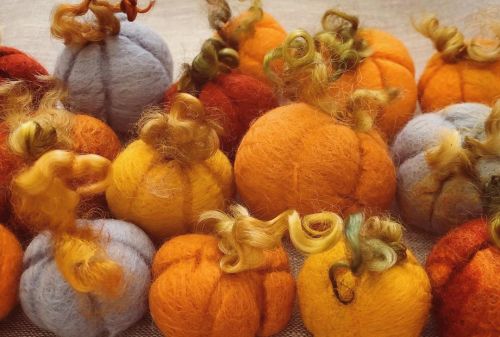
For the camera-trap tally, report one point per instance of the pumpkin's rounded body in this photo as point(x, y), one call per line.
point(233, 101)
point(296, 157)
point(11, 266)
point(52, 304)
point(464, 268)
point(116, 79)
point(165, 197)
point(424, 201)
point(443, 83)
point(389, 66)
point(16, 65)
point(266, 35)
point(394, 303)
point(192, 297)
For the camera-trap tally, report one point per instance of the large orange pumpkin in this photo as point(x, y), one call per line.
point(460, 71)
point(11, 263)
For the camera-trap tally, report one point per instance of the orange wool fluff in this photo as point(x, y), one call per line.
point(11, 263)
point(192, 297)
point(296, 157)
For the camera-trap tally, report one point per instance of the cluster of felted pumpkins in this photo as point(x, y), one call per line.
point(307, 121)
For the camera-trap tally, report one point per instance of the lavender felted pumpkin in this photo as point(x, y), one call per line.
point(445, 159)
point(112, 67)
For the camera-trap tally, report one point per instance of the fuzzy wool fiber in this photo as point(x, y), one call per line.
point(117, 79)
point(11, 266)
point(464, 268)
point(296, 157)
point(393, 303)
point(165, 197)
point(192, 297)
point(423, 203)
point(52, 304)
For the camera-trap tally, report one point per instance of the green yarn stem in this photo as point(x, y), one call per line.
point(247, 26)
point(214, 58)
point(348, 26)
point(491, 204)
point(219, 13)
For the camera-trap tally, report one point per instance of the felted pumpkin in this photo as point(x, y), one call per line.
point(368, 285)
point(31, 127)
point(236, 284)
point(113, 68)
point(460, 71)
point(88, 276)
point(464, 269)
point(16, 65)
point(440, 180)
point(300, 157)
point(231, 99)
point(165, 179)
point(11, 264)
point(253, 34)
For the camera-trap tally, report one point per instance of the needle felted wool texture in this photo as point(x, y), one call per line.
point(232, 99)
point(464, 268)
point(438, 199)
point(297, 157)
point(14, 64)
point(11, 257)
point(460, 70)
point(365, 302)
point(238, 283)
point(163, 181)
point(115, 79)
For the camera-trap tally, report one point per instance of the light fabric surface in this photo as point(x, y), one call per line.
point(183, 24)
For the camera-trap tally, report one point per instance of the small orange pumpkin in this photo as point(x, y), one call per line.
point(460, 71)
point(11, 263)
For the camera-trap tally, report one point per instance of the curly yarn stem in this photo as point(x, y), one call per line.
point(451, 43)
point(67, 26)
point(348, 25)
point(214, 58)
point(247, 26)
point(30, 140)
point(375, 245)
point(243, 239)
point(219, 13)
point(490, 147)
point(492, 208)
point(360, 106)
point(184, 134)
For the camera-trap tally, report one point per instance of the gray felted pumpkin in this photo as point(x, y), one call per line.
point(113, 68)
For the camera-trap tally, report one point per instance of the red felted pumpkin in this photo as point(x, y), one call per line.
point(16, 65)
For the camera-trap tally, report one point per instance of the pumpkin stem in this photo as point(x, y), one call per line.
point(450, 42)
point(375, 245)
point(360, 106)
point(490, 147)
point(214, 58)
point(492, 207)
point(243, 239)
point(219, 13)
point(67, 26)
point(184, 134)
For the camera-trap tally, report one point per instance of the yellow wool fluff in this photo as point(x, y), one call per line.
point(393, 303)
point(165, 196)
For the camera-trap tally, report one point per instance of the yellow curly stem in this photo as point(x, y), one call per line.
point(184, 134)
point(452, 44)
point(43, 199)
point(243, 239)
point(490, 147)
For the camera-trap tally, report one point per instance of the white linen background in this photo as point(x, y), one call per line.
point(183, 25)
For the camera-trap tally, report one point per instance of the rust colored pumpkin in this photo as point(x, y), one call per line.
point(11, 263)
point(192, 297)
point(16, 65)
point(459, 71)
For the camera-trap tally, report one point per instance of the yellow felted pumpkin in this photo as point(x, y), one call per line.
point(460, 71)
point(253, 34)
point(370, 285)
point(165, 179)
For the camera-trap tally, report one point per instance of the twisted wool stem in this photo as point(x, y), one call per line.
point(490, 147)
point(243, 239)
point(451, 43)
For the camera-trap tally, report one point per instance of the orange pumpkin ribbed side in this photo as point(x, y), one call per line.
point(9, 163)
point(11, 263)
point(192, 297)
point(296, 157)
point(267, 34)
point(443, 84)
point(390, 65)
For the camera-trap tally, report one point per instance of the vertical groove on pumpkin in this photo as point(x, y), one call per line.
point(105, 76)
point(187, 198)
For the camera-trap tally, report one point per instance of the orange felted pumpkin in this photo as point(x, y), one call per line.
point(253, 34)
point(238, 284)
point(464, 269)
point(231, 99)
point(299, 157)
point(11, 264)
point(460, 71)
